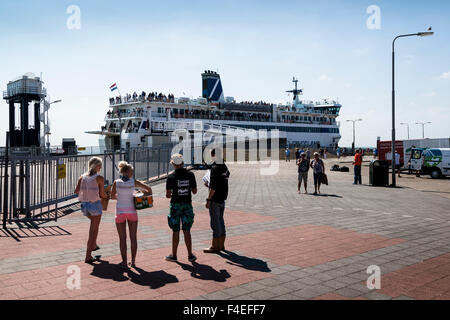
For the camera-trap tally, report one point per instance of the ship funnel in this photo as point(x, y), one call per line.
point(212, 87)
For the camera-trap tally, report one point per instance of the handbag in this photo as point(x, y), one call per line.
point(105, 202)
point(143, 201)
point(324, 179)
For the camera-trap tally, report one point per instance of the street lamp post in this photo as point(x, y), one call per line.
point(420, 34)
point(407, 126)
point(423, 127)
point(354, 122)
point(47, 122)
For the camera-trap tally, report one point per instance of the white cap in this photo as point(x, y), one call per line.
point(177, 159)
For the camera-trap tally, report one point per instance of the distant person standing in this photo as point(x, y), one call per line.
point(288, 155)
point(297, 154)
point(179, 188)
point(303, 169)
point(325, 154)
point(308, 154)
point(338, 153)
point(397, 163)
point(318, 170)
point(357, 169)
point(218, 194)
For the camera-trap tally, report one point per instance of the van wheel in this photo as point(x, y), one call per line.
point(435, 174)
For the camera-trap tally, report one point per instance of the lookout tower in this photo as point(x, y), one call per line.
point(20, 93)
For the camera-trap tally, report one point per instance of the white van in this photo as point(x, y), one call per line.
point(436, 162)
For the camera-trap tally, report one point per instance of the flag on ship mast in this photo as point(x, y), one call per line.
point(114, 87)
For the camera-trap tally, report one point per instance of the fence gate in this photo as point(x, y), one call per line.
point(35, 188)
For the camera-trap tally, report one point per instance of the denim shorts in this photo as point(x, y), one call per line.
point(92, 209)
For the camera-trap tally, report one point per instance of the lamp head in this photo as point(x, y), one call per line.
point(426, 34)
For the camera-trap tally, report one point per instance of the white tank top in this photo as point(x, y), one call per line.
point(125, 196)
point(89, 189)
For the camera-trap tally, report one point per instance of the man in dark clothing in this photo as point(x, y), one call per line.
point(180, 185)
point(218, 194)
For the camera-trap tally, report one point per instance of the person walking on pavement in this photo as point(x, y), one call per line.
point(218, 194)
point(179, 188)
point(288, 154)
point(357, 167)
point(318, 170)
point(308, 155)
point(303, 170)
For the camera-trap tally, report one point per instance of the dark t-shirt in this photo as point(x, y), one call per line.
point(181, 183)
point(219, 182)
point(304, 166)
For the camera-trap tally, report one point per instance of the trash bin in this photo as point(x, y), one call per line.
point(379, 173)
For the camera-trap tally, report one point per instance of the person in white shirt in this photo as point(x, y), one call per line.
point(397, 163)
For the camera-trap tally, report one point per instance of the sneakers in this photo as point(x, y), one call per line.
point(171, 258)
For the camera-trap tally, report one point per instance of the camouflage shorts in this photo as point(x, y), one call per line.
point(181, 216)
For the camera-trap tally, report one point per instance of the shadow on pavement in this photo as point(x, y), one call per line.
point(245, 262)
point(24, 232)
point(327, 195)
point(205, 272)
point(153, 280)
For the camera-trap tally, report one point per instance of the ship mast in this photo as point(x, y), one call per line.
point(297, 92)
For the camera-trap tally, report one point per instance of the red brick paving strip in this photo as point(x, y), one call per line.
point(50, 283)
point(427, 280)
point(308, 245)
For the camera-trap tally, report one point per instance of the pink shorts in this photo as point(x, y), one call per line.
point(124, 217)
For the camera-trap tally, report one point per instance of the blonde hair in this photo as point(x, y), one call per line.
point(124, 167)
point(94, 163)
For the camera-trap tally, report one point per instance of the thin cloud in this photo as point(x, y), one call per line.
point(348, 85)
point(324, 78)
point(408, 58)
point(445, 75)
point(361, 51)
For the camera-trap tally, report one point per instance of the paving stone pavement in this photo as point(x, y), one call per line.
point(281, 245)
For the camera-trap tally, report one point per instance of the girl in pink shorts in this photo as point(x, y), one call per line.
point(123, 190)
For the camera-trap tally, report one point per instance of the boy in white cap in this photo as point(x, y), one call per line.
point(179, 188)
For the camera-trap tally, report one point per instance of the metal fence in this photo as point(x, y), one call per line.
point(33, 188)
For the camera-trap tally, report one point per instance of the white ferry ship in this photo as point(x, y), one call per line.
point(149, 119)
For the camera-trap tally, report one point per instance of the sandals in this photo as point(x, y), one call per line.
point(90, 261)
point(123, 265)
point(96, 249)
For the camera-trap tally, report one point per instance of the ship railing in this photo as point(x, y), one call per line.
point(124, 100)
point(128, 115)
point(170, 126)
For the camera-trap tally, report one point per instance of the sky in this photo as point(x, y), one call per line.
point(336, 48)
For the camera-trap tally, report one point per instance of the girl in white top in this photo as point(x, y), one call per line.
point(90, 190)
point(123, 190)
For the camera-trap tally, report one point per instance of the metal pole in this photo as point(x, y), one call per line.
point(393, 114)
point(159, 163)
point(113, 169)
point(354, 140)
